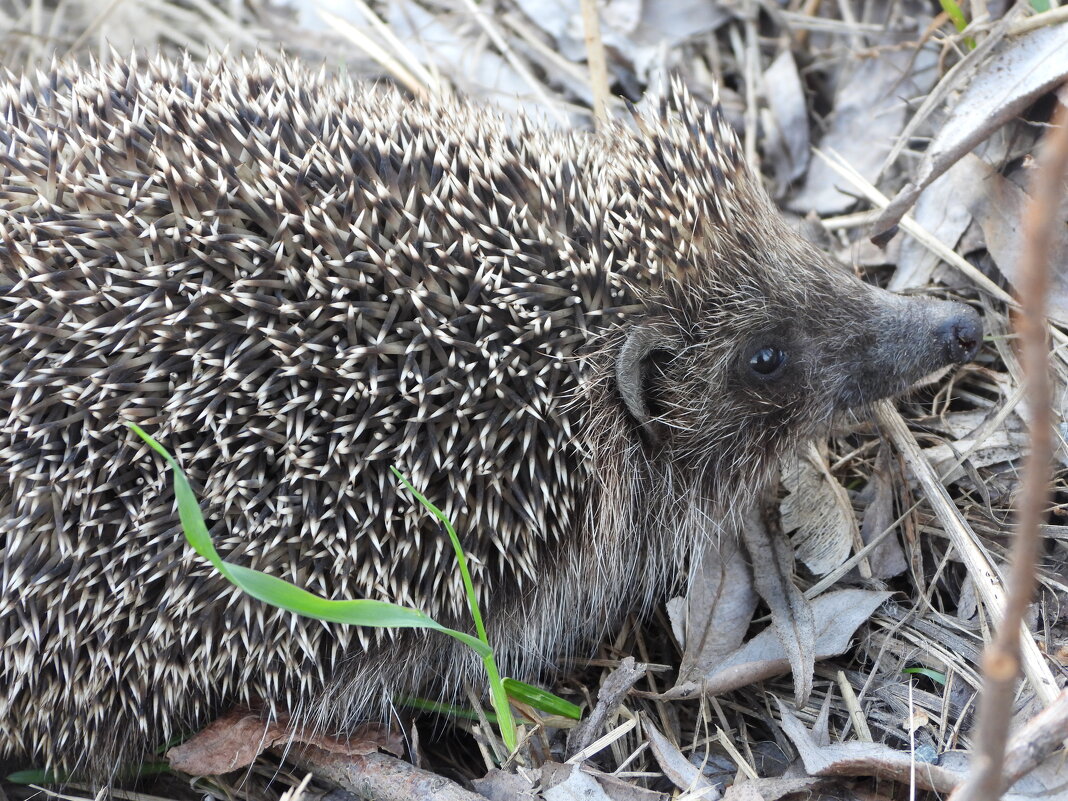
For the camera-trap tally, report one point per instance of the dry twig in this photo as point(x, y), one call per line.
point(1001, 660)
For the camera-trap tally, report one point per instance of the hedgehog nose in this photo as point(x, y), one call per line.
point(960, 334)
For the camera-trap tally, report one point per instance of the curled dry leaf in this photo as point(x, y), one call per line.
point(862, 759)
point(1047, 781)
point(679, 770)
point(791, 616)
point(837, 615)
point(233, 741)
point(1017, 72)
point(711, 621)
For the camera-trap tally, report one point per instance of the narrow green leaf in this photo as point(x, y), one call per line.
point(35, 776)
point(42, 776)
point(933, 675)
point(448, 710)
point(956, 15)
point(498, 696)
point(283, 594)
point(541, 699)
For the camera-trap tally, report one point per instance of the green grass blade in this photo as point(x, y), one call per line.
point(461, 557)
point(956, 16)
point(438, 708)
point(498, 695)
point(283, 594)
point(35, 776)
point(934, 675)
point(541, 699)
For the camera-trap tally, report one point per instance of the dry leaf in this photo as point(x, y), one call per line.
point(1015, 75)
point(918, 719)
point(791, 616)
point(771, 789)
point(233, 741)
point(837, 615)
point(868, 115)
point(570, 783)
point(711, 621)
point(887, 559)
point(621, 790)
point(787, 121)
point(863, 759)
point(818, 510)
point(682, 773)
point(941, 209)
point(998, 207)
point(502, 785)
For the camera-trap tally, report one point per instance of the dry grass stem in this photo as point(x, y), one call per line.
point(988, 582)
point(595, 57)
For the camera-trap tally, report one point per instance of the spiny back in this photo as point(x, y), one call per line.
point(296, 283)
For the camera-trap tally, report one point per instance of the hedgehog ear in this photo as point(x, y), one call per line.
point(633, 363)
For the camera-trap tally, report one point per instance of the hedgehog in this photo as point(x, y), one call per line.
point(590, 349)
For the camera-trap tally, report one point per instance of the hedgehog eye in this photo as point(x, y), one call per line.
point(767, 361)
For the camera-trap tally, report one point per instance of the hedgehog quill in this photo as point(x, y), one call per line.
point(588, 349)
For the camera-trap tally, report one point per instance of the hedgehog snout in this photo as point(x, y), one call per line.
point(960, 334)
point(906, 340)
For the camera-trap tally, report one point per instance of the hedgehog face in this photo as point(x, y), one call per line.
point(754, 339)
point(726, 378)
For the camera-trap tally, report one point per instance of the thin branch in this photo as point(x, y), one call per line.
point(1001, 660)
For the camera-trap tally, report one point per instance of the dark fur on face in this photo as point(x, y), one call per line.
point(588, 349)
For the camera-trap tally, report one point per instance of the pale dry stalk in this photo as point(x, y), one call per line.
point(598, 63)
point(1001, 660)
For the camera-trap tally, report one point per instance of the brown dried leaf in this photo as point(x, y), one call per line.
point(787, 141)
point(791, 616)
point(619, 789)
point(868, 115)
point(770, 789)
point(941, 209)
point(1016, 74)
point(998, 207)
point(888, 558)
point(837, 615)
point(570, 783)
point(715, 614)
point(235, 740)
point(501, 785)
